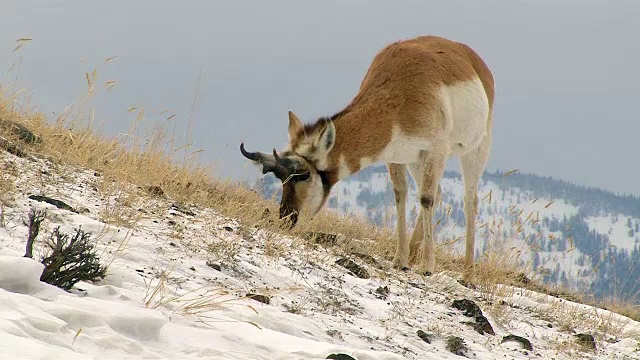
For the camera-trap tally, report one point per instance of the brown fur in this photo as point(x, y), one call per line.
point(398, 88)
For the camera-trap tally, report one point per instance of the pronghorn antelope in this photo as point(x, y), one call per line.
point(421, 101)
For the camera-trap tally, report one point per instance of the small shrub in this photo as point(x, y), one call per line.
point(72, 259)
point(36, 217)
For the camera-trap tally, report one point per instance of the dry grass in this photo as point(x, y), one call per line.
point(198, 302)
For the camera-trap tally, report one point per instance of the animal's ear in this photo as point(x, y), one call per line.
point(295, 125)
point(326, 139)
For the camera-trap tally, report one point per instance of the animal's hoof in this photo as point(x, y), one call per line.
point(467, 284)
point(399, 264)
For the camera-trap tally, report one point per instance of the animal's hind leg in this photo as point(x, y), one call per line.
point(472, 164)
point(432, 170)
point(398, 175)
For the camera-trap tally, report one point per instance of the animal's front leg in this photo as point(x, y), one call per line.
point(398, 175)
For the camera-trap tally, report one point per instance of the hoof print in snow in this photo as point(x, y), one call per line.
point(382, 292)
point(425, 336)
point(586, 340)
point(354, 268)
point(320, 238)
point(155, 190)
point(214, 266)
point(340, 357)
point(481, 324)
point(57, 203)
point(260, 298)
point(526, 344)
point(457, 346)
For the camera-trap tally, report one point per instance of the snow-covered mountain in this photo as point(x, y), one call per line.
point(583, 238)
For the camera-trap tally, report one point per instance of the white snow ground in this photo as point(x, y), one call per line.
point(317, 307)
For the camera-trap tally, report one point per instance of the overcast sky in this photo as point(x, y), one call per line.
point(567, 72)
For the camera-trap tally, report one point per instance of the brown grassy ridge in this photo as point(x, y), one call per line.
point(71, 139)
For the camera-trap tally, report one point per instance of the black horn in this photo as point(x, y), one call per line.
point(270, 163)
point(250, 155)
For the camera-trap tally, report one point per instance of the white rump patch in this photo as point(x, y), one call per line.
point(466, 108)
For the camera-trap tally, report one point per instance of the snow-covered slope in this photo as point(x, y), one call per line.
point(178, 280)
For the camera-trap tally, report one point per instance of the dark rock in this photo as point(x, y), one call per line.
point(367, 258)
point(12, 148)
point(261, 298)
point(470, 309)
point(526, 344)
point(467, 284)
point(456, 345)
point(340, 357)
point(192, 268)
point(155, 191)
point(320, 238)
point(214, 266)
point(57, 203)
point(586, 340)
point(182, 210)
point(523, 279)
point(23, 133)
point(382, 292)
point(424, 336)
point(354, 268)
point(82, 210)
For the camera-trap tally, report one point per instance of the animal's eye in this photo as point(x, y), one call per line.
point(302, 177)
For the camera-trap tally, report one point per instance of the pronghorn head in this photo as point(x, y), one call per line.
point(301, 167)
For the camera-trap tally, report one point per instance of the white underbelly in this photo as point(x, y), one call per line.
point(466, 109)
point(403, 149)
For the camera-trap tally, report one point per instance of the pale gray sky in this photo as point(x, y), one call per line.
point(567, 72)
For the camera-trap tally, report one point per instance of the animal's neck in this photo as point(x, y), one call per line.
point(352, 149)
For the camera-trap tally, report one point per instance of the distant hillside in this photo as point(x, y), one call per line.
point(584, 238)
